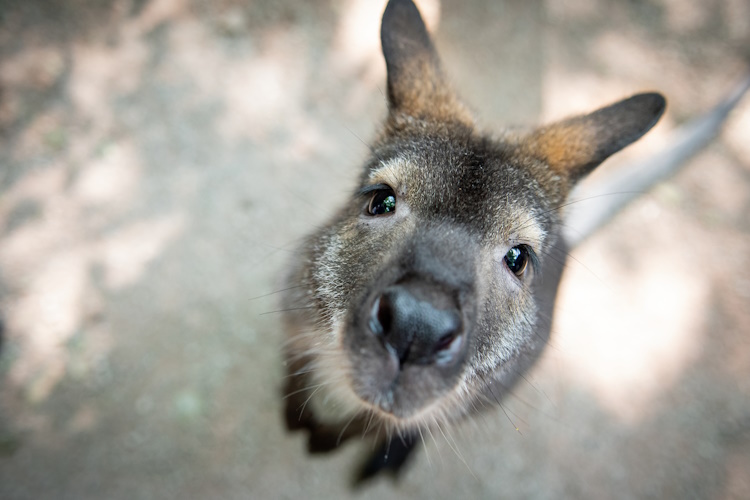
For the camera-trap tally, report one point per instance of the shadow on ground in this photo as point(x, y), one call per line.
point(160, 159)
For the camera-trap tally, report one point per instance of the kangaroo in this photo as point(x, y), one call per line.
point(431, 291)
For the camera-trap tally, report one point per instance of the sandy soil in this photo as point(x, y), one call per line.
point(160, 159)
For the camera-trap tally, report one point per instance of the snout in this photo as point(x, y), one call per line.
point(409, 346)
point(409, 334)
point(418, 323)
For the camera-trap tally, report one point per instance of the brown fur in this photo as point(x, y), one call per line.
point(563, 147)
point(464, 199)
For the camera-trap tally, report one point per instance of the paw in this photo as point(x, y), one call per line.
point(390, 457)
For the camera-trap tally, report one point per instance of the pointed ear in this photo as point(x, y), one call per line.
point(416, 85)
point(575, 146)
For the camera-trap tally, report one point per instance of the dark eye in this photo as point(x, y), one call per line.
point(517, 259)
point(382, 202)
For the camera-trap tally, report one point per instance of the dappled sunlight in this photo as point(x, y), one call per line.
point(356, 48)
point(613, 63)
point(631, 58)
point(685, 16)
point(42, 135)
point(737, 132)
point(627, 333)
point(263, 93)
point(27, 244)
point(36, 67)
point(83, 420)
point(157, 12)
point(573, 9)
point(258, 96)
point(571, 92)
point(127, 252)
point(737, 17)
point(160, 161)
point(357, 39)
point(110, 180)
point(631, 321)
point(724, 178)
point(49, 256)
point(100, 70)
point(45, 316)
point(54, 213)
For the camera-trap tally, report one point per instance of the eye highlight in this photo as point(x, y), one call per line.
point(382, 202)
point(517, 259)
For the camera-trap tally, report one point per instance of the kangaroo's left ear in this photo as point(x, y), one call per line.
point(416, 84)
point(575, 146)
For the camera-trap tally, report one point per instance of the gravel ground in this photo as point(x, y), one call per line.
point(160, 159)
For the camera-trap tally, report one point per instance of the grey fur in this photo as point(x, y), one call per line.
point(464, 199)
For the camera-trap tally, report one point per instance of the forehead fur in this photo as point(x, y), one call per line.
point(389, 172)
point(476, 182)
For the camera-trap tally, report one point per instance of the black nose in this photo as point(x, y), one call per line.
point(418, 323)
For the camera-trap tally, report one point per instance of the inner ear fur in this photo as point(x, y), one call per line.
point(575, 146)
point(416, 84)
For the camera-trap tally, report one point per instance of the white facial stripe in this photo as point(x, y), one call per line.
point(518, 226)
point(530, 232)
point(387, 172)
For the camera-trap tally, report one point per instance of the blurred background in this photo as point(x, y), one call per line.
point(160, 160)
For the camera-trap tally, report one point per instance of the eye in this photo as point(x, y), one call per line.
point(382, 202)
point(517, 259)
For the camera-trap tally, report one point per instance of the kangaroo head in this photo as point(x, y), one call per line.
point(423, 288)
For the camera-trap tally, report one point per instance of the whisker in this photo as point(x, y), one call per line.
point(377, 435)
point(316, 386)
point(302, 371)
point(434, 441)
point(304, 405)
point(287, 310)
point(502, 407)
point(537, 389)
point(455, 450)
point(424, 445)
point(369, 422)
point(341, 434)
point(275, 292)
point(573, 202)
point(372, 150)
point(513, 394)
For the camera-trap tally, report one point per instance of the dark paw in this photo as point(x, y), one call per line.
point(390, 457)
point(322, 441)
point(296, 419)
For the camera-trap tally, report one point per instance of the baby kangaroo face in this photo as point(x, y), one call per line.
point(436, 253)
point(425, 288)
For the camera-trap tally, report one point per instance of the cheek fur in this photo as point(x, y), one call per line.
point(332, 375)
point(506, 318)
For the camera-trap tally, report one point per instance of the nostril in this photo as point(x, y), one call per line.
point(373, 322)
point(445, 341)
point(385, 314)
point(381, 316)
point(417, 324)
point(448, 348)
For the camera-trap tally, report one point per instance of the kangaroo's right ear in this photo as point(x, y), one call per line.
point(416, 85)
point(575, 146)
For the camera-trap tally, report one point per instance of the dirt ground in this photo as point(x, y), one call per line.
point(160, 159)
